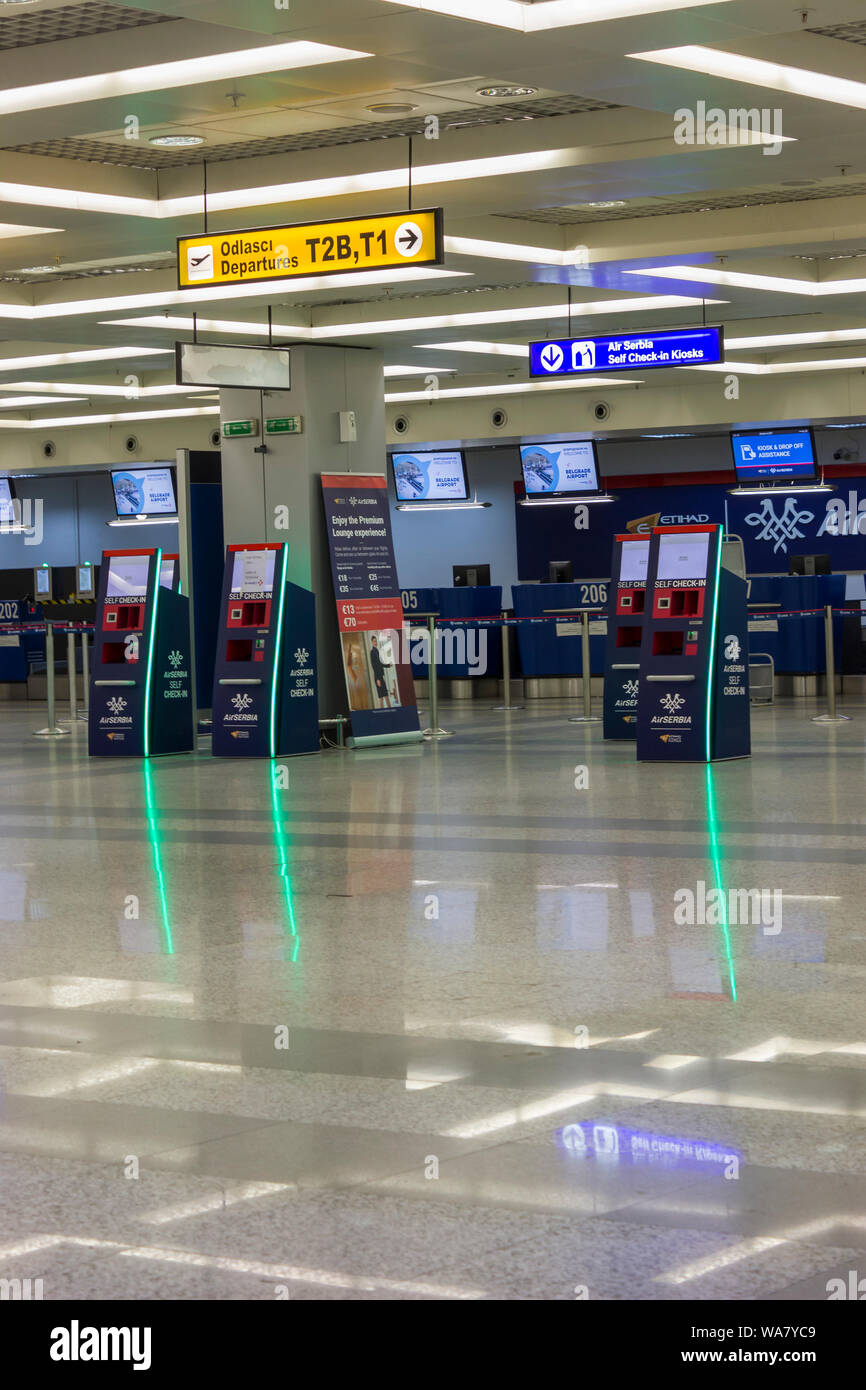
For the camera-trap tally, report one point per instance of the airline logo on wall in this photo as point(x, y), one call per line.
point(642, 525)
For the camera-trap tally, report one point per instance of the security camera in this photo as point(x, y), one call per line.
point(401, 424)
point(601, 410)
point(49, 449)
point(130, 444)
point(215, 439)
point(498, 418)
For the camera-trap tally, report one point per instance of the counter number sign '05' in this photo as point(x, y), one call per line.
point(344, 244)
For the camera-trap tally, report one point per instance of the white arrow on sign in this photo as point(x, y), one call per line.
point(552, 358)
point(408, 238)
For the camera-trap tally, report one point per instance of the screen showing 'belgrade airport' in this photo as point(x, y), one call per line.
point(423, 477)
point(144, 492)
point(557, 468)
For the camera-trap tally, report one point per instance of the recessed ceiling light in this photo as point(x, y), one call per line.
point(36, 269)
point(176, 142)
point(604, 203)
point(507, 91)
point(392, 108)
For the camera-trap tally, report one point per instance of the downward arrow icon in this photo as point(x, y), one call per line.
point(552, 357)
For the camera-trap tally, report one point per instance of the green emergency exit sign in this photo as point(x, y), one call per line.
point(235, 429)
point(285, 424)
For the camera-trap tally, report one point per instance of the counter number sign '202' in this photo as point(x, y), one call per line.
point(384, 242)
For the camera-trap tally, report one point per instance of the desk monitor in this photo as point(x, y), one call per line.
point(767, 456)
point(683, 556)
point(470, 576)
point(85, 581)
point(431, 476)
point(809, 564)
point(560, 572)
point(144, 491)
point(43, 587)
point(559, 470)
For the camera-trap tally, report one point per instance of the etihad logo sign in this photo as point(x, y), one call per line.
point(642, 525)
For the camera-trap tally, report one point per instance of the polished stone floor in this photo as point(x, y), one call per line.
point(435, 1022)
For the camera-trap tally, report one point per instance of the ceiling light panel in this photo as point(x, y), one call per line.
point(746, 280)
point(536, 18)
point(185, 72)
point(757, 72)
point(533, 313)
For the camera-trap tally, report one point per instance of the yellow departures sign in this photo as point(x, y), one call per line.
point(344, 244)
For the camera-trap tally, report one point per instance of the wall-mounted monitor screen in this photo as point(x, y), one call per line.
point(127, 576)
point(253, 573)
point(85, 579)
point(144, 491)
point(431, 476)
point(558, 470)
point(633, 561)
point(683, 556)
point(767, 456)
point(42, 581)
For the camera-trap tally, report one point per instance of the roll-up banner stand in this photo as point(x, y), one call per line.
point(369, 609)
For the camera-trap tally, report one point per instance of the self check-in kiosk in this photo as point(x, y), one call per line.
point(625, 622)
point(265, 701)
point(694, 681)
point(140, 693)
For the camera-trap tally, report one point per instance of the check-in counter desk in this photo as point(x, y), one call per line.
point(468, 651)
point(548, 637)
point(20, 650)
point(790, 628)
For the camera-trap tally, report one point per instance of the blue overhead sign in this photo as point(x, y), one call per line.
point(627, 352)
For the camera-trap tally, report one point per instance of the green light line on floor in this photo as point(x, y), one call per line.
point(280, 839)
point(716, 858)
point(154, 838)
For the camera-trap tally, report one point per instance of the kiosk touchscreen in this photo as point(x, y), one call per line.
point(625, 623)
point(43, 584)
point(85, 581)
point(140, 694)
point(694, 682)
point(265, 702)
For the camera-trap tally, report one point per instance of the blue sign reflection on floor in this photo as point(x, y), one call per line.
point(615, 1144)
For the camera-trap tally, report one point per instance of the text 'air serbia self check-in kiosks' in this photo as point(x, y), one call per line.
point(140, 689)
point(624, 634)
point(265, 702)
point(694, 662)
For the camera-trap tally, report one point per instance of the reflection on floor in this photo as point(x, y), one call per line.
point(453, 1021)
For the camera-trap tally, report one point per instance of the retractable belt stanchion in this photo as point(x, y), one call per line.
point(85, 675)
point(586, 677)
point(72, 675)
point(434, 730)
point(52, 731)
point(506, 669)
point(831, 717)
